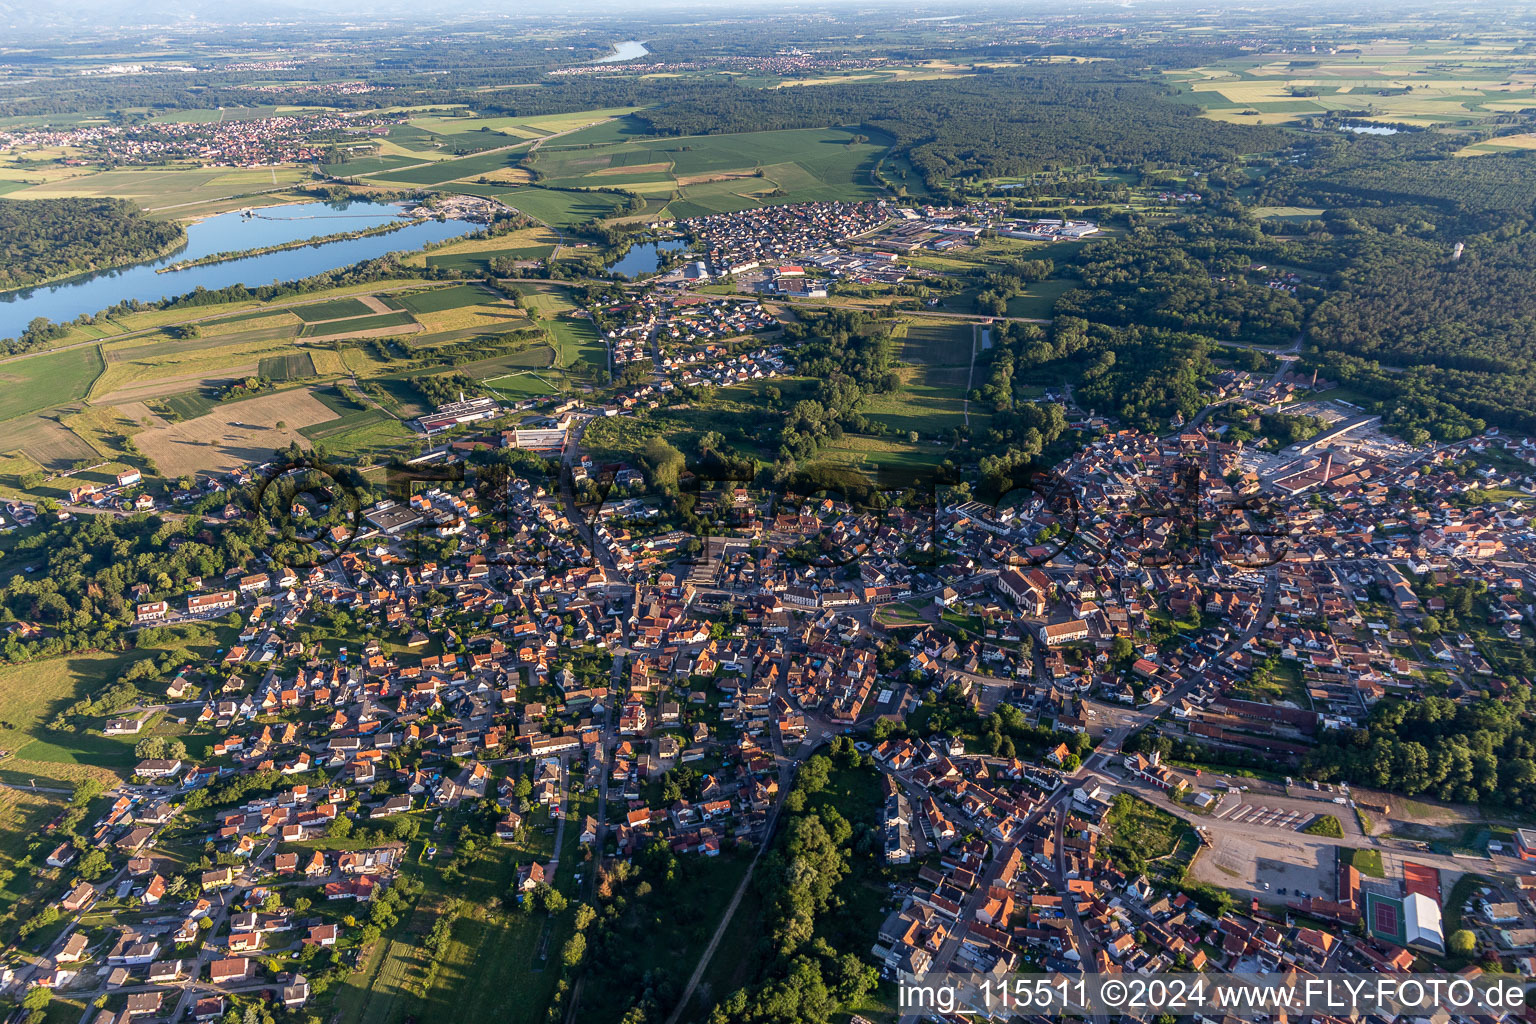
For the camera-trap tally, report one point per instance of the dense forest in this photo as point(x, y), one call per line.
point(1002, 123)
point(1426, 306)
point(1482, 752)
point(1189, 276)
point(44, 239)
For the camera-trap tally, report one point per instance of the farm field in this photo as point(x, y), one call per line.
point(536, 127)
point(473, 256)
point(44, 441)
point(459, 167)
point(288, 367)
point(332, 309)
point(440, 299)
point(233, 434)
point(560, 209)
point(362, 326)
point(136, 369)
point(722, 173)
point(52, 378)
point(1502, 144)
point(181, 191)
point(1422, 86)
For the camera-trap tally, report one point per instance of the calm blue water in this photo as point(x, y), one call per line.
point(645, 257)
point(1370, 129)
point(229, 232)
point(627, 50)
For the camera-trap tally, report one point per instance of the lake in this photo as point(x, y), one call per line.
point(645, 257)
point(1370, 129)
point(230, 232)
point(627, 50)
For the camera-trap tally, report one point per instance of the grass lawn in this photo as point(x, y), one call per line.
point(1368, 862)
point(577, 345)
point(33, 694)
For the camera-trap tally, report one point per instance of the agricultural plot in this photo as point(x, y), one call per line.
point(362, 326)
point(135, 372)
point(437, 300)
point(450, 170)
point(724, 173)
point(479, 262)
point(234, 433)
point(176, 189)
point(368, 165)
point(52, 378)
point(1502, 144)
point(332, 309)
point(490, 319)
point(188, 405)
point(292, 366)
point(1421, 88)
point(45, 441)
point(516, 127)
point(537, 240)
point(245, 322)
point(620, 129)
point(557, 208)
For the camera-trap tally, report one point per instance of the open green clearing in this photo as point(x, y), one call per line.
point(33, 694)
point(932, 397)
point(1038, 300)
point(1137, 825)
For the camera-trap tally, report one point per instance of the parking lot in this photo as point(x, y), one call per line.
point(1246, 813)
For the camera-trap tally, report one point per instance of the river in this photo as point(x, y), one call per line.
point(230, 232)
point(627, 50)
